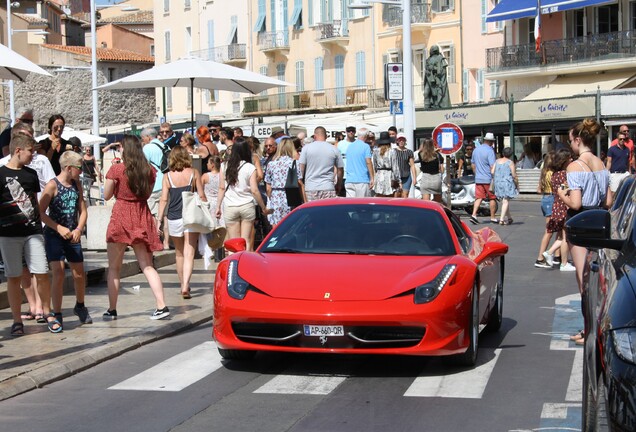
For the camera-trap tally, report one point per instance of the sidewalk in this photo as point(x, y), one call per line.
point(40, 357)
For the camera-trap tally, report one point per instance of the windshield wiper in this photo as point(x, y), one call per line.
point(283, 250)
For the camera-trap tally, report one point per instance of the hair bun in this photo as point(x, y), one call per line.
point(591, 127)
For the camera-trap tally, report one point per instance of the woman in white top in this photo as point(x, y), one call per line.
point(238, 190)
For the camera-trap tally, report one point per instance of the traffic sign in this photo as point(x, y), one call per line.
point(448, 137)
point(397, 107)
point(393, 81)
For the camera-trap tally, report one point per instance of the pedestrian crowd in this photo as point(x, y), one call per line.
point(246, 184)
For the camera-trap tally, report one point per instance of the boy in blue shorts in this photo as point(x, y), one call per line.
point(65, 222)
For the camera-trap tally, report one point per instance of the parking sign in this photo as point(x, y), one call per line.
point(393, 81)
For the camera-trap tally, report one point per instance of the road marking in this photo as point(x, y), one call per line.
point(177, 372)
point(296, 384)
point(468, 384)
point(575, 386)
point(557, 410)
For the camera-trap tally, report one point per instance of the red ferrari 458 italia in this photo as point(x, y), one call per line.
point(362, 276)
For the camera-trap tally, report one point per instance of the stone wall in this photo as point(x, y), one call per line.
point(69, 94)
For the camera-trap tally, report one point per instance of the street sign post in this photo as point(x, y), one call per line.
point(449, 138)
point(393, 82)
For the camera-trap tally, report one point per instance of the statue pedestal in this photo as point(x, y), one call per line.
point(98, 219)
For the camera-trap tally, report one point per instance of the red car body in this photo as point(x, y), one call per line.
point(370, 296)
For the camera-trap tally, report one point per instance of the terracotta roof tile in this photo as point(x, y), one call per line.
point(139, 17)
point(31, 18)
point(105, 54)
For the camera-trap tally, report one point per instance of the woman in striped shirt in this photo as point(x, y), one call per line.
point(406, 166)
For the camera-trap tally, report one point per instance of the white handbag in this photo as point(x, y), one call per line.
point(196, 213)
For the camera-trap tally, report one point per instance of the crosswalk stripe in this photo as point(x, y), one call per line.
point(177, 372)
point(468, 384)
point(295, 384)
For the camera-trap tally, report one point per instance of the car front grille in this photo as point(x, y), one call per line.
point(291, 335)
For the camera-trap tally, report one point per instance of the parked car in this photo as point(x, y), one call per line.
point(609, 309)
point(362, 276)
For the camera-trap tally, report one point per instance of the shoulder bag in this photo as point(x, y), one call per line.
point(292, 188)
point(196, 213)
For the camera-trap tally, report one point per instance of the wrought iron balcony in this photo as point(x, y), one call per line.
point(223, 54)
point(583, 49)
point(420, 14)
point(334, 99)
point(331, 30)
point(272, 41)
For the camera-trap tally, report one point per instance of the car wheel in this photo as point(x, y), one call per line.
point(496, 314)
point(601, 423)
point(229, 354)
point(469, 358)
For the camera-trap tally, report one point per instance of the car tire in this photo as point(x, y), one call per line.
point(600, 407)
point(230, 354)
point(496, 314)
point(469, 358)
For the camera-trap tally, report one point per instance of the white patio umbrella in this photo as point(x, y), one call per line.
point(86, 138)
point(13, 66)
point(194, 72)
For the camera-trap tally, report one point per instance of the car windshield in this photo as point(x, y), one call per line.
point(364, 229)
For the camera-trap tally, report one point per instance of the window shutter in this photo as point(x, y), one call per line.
point(451, 64)
point(466, 85)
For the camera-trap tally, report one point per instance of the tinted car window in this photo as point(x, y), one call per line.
point(362, 229)
point(462, 236)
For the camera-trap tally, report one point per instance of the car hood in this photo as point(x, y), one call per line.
point(337, 277)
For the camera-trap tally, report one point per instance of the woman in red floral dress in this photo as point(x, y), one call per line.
point(131, 223)
point(556, 224)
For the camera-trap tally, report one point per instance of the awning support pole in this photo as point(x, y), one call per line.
point(511, 118)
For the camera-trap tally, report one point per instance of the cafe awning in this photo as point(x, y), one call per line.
point(513, 9)
point(572, 85)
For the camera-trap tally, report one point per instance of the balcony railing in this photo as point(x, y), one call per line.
point(604, 46)
point(335, 99)
point(315, 100)
point(331, 30)
point(222, 54)
point(420, 14)
point(273, 40)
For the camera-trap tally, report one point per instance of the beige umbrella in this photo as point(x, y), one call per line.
point(15, 67)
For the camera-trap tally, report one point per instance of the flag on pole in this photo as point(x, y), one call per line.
point(537, 28)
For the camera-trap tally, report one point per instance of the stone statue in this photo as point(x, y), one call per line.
point(435, 81)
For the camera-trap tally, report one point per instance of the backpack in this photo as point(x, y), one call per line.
point(165, 153)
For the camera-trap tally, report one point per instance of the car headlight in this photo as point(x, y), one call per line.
point(428, 291)
point(236, 286)
point(625, 343)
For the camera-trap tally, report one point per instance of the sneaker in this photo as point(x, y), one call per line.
point(110, 315)
point(160, 313)
point(474, 220)
point(82, 313)
point(567, 267)
point(542, 264)
point(549, 258)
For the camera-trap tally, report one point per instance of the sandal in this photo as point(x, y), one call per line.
point(503, 222)
point(509, 221)
point(578, 336)
point(52, 324)
point(186, 295)
point(39, 318)
point(28, 316)
point(17, 329)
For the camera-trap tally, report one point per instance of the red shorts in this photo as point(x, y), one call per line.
point(483, 191)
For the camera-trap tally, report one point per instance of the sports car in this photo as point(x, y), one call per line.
point(362, 276)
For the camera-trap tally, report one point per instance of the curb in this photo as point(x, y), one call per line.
point(59, 369)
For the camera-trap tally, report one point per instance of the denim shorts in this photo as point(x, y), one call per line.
point(58, 249)
point(406, 182)
point(546, 204)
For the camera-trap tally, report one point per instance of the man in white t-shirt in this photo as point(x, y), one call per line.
point(317, 162)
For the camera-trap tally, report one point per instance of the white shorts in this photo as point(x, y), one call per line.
point(175, 228)
point(31, 247)
point(615, 180)
point(357, 190)
point(234, 214)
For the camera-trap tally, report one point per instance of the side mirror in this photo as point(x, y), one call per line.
point(492, 250)
point(592, 229)
point(235, 245)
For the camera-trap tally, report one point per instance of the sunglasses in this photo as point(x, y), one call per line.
point(164, 132)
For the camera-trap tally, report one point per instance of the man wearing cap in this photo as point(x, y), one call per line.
point(317, 162)
point(359, 168)
point(343, 145)
point(482, 161)
point(277, 132)
point(26, 116)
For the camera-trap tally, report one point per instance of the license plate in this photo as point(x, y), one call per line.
point(320, 330)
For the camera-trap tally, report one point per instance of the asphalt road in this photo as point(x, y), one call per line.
point(528, 377)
